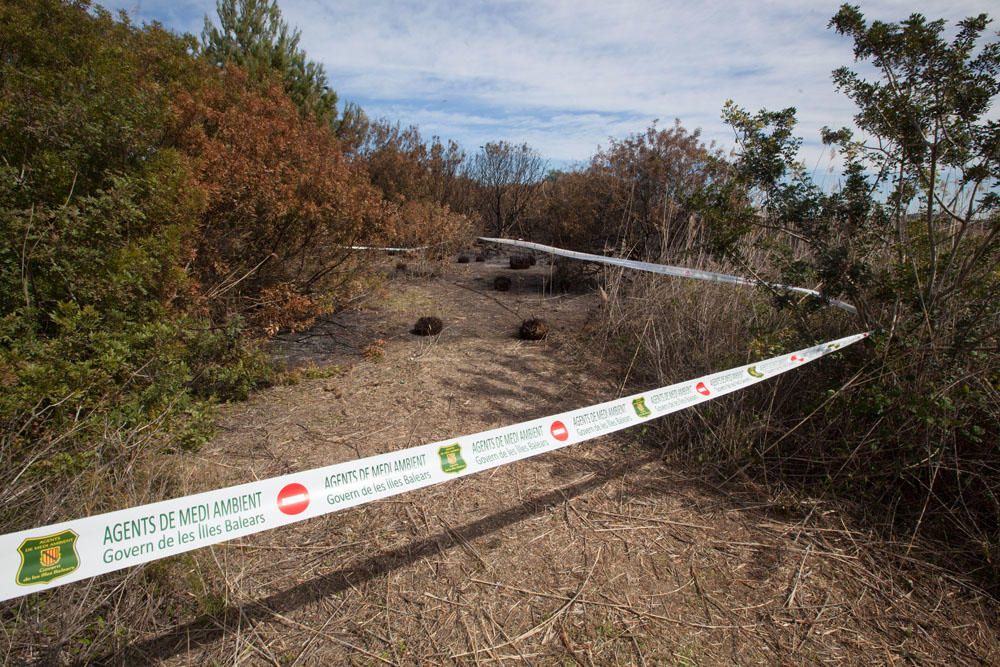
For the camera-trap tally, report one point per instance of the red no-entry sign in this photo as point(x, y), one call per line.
point(293, 499)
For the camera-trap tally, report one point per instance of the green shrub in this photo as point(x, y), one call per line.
point(106, 354)
point(912, 238)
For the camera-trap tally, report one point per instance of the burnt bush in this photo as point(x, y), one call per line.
point(427, 326)
point(520, 261)
point(568, 275)
point(533, 329)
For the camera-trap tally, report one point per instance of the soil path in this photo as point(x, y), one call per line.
point(599, 554)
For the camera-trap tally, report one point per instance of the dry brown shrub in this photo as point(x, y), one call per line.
point(282, 200)
point(375, 351)
point(405, 167)
point(638, 197)
point(283, 307)
point(502, 284)
point(415, 224)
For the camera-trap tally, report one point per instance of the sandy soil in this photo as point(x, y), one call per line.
point(605, 553)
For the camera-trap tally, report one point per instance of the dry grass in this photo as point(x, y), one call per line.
point(794, 436)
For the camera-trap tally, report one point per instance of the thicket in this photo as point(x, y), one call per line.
point(910, 424)
point(642, 196)
point(426, 191)
point(160, 215)
point(99, 218)
point(165, 207)
point(282, 203)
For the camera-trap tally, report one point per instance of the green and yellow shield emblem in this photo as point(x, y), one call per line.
point(46, 558)
point(451, 458)
point(639, 405)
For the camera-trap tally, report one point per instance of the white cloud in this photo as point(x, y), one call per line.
point(566, 74)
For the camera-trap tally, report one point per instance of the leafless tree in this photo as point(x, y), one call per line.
point(508, 176)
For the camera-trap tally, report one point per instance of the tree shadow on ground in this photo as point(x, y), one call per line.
point(209, 628)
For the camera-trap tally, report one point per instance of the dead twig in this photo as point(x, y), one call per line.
point(798, 577)
point(548, 621)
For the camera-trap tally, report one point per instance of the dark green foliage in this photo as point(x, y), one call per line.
point(252, 35)
point(502, 284)
point(102, 353)
point(939, 153)
point(912, 237)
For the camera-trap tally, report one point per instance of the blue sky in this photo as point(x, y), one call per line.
point(564, 75)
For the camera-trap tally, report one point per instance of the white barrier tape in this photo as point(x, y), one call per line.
point(370, 247)
point(666, 269)
point(42, 558)
point(365, 247)
point(390, 249)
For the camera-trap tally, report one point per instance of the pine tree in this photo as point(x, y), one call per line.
point(253, 35)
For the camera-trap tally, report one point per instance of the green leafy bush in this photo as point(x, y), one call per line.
point(912, 238)
point(103, 353)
